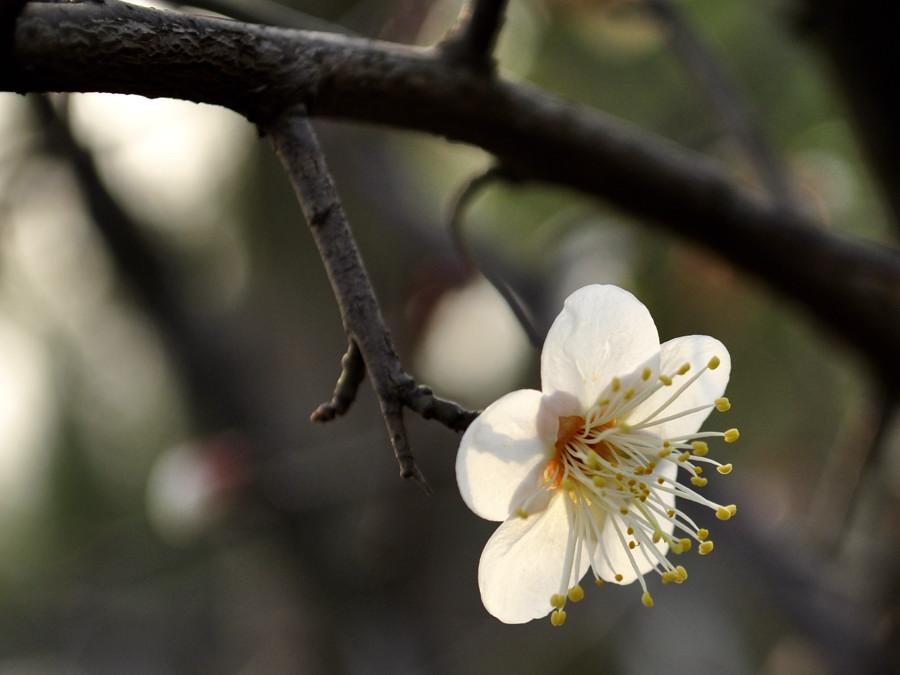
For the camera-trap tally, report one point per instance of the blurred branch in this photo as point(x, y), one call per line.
point(851, 286)
point(353, 370)
point(473, 39)
point(719, 89)
point(465, 196)
point(861, 44)
point(299, 150)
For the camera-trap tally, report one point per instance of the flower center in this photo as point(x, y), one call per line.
point(573, 427)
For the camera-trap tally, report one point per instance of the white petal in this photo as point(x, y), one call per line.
point(696, 350)
point(503, 453)
point(602, 332)
point(523, 563)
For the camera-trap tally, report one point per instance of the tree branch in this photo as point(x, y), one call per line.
point(722, 94)
point(455, 225)
point(353, 370)
point(297, 146)
point(851, 286)
point(473, 40)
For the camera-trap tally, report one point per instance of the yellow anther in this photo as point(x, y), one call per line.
point(599, 481)
point(522, 513)
point(725, 469)
point(700, 448)
point(670, 513)
point(593, 460)
point(576, 593)
point(558, 601)
point(624, 510)
point(732, 508)
point(568, 484)
point(603, 402)
point(685, 544)
point(665, 379)
point(646, 599)
point(656, 537)
point(698, 481)
point(722, 404)
point(558, 617)
point(698, 470)
point(684, 456)
point(647, 372)
point(631, 545)
point(713, 363)
point(622, 426)
point(723, 513)
point(732, 435)
point(706, 547)
point(616, 384)
point(619, 577)
point(628, 393)
point(630, 531)
point(665, 452)
point(661, 480)
point(599, 582)
point(682, 574)
point(702, 533)
point(684, 368)
point(667, 577)
point(675, 546)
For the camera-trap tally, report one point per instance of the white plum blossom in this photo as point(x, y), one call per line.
point(583, 474)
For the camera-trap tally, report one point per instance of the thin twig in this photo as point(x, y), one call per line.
point(353, 370)
point(299, 150)
point(455, 225)
point(720, 90)
point(473, 39)
point(422, 400)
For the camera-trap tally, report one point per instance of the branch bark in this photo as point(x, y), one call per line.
point(850, 285)
point(473, 40)
point(299, 150)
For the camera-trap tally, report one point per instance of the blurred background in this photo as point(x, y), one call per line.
point(166, 329)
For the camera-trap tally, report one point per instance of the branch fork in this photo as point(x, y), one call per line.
point(370, 347)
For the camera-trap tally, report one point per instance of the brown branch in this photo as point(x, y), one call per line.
point(850, 285)
point(299, 150)
point(422, 400)
point(721, 93)
point(455, 225)
point(353, 370)
point(472, 41)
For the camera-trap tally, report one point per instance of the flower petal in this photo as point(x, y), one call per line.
point(503, 453)
point(523, 563)
point(697, 350)
point(602, 332)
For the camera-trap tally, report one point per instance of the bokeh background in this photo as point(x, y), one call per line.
point(166, 328)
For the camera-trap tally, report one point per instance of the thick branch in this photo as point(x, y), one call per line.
point(852, 286)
